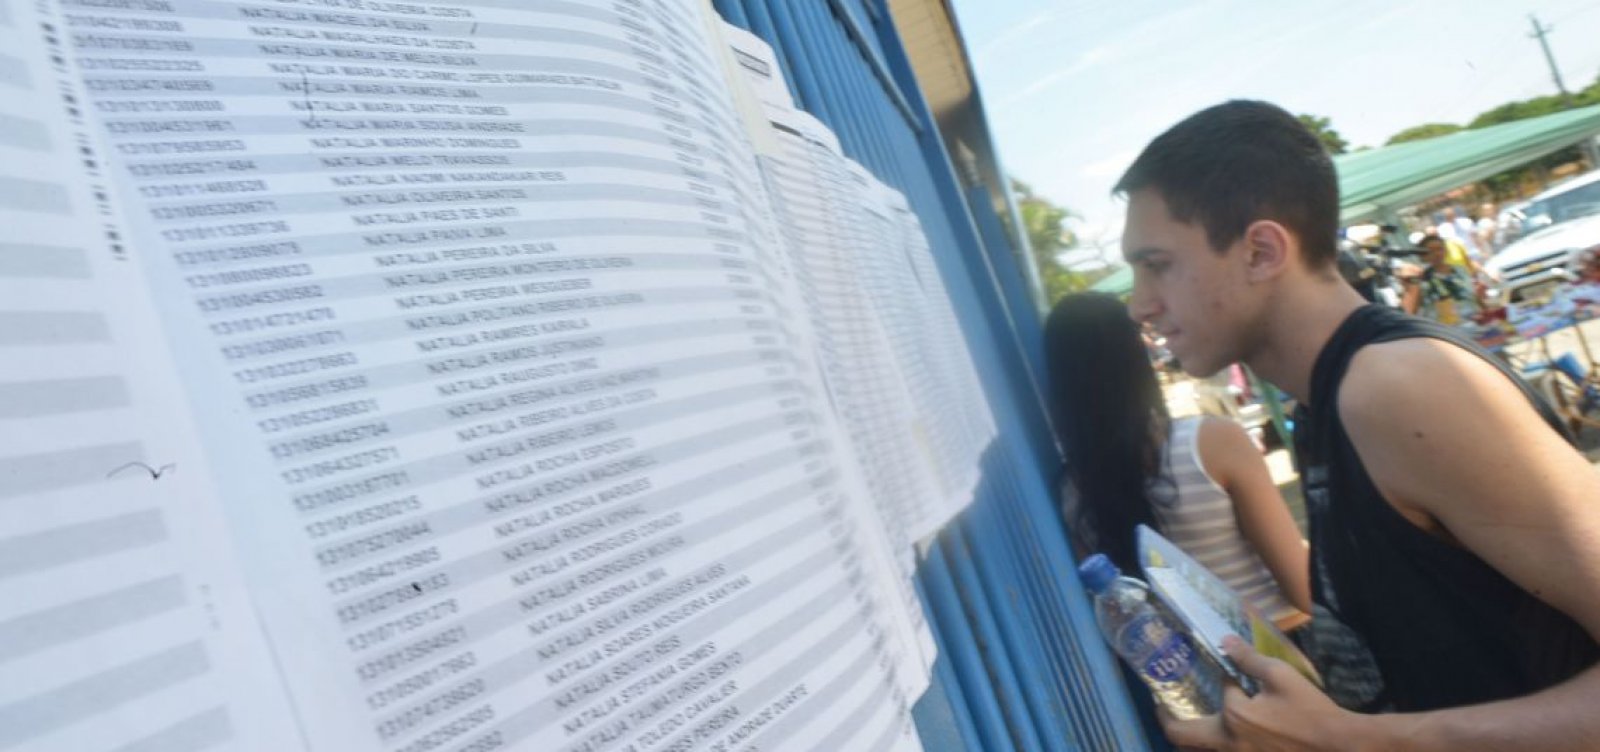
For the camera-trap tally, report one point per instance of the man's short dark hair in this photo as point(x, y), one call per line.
point(1242, 161)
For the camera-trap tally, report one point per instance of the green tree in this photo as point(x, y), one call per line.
point(1538, 106)
point(1514, 181)
point(1514, 111)
point(1044, 222)
point(1330, 138)
point(1049, 236)
point(1424, 131)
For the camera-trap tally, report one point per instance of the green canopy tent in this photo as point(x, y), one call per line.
point(1375, 184)
point(1119, 282)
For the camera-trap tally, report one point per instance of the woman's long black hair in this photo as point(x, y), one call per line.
point(1110, 418)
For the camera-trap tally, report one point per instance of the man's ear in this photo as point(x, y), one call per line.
point(1269, 248)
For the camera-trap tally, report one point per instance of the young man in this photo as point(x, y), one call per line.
point(1463, 544)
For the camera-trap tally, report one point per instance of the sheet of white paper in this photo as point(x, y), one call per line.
point(472, 382)
point(515, 447)
point(897, 367)
point(123, 623)
point(792, 184)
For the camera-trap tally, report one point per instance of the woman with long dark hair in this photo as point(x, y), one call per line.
point(1200, 481)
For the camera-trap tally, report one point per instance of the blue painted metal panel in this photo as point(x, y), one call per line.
point(964, 653)
point(1013, 284)
point(1021, 663)
point(944, 705)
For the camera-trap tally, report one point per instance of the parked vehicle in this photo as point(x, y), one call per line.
point(1508, 224)
point(1573, 199)
point(1531, 267)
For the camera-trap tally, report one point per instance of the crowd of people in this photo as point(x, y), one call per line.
point(1447, 587)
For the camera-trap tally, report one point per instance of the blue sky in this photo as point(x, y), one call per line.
point(1074, 89)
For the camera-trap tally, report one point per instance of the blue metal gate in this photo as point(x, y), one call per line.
point(1021, 665)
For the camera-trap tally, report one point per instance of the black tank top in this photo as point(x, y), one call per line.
point(1445, 628)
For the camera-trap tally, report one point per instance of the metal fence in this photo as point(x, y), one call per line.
point(1021, 665)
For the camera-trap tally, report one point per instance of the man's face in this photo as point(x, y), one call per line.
point(1197, 298)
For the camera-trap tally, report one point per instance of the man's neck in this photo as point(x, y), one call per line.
point(1296, 334)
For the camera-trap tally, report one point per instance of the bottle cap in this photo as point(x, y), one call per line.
point(1097, 572)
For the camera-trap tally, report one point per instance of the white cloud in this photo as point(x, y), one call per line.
point(1004, 38)
point(1110, 167)
point(1087, 60)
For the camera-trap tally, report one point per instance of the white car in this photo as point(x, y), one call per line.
point(1575, 198)
point(1529, 268)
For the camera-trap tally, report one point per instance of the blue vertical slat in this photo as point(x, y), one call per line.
point(807, 82)
point(1013, 283)
point(858, 89)
point(872, 104)
point(1015, 612)
point(996, 628)
point(1082, 666)
point(863, 36)
point(966, 658)
point(732, 12)
point(935, 714)
point(1021, 662)
point(761, 25)
point(842, 90)
point(853, 17)
point(932, 709)
point(813, 38)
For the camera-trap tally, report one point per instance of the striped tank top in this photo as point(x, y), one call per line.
point(1197, 515)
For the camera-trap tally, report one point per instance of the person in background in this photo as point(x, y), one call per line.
point(1200, 481)
point(1444, 224)
point(1589, 267)
point(1357, 270)
point(1488, 230)
point(1442, 291)
point(1461, 230)
point(1453, 524)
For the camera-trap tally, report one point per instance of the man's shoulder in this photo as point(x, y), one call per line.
point(1404, 380)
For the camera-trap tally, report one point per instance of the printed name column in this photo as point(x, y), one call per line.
point(522, 417)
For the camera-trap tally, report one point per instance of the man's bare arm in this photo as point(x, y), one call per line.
point(1457, 450)
point(1456, 447)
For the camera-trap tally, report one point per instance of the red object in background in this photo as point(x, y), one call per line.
point(1589, 265)
point(1244, 395)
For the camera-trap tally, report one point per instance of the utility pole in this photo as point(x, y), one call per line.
point(1539, 33)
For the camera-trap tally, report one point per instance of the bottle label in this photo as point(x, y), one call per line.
point(1168, 654)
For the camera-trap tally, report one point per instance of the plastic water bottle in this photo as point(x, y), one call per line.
point(1150, 642)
